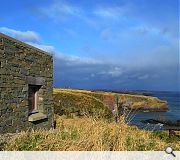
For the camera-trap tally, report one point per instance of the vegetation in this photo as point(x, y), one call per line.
point(136, 102)
point(84, 123)
point(80, 104)
point(89, 134)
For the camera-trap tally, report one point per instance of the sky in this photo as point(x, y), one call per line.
point(102, 44)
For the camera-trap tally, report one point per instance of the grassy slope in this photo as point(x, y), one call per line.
point(66, 102)
point(132, 101)
point(91, 135)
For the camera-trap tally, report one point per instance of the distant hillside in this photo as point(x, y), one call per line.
point(101, 103)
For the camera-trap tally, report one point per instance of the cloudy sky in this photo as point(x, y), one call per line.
point(102, 44)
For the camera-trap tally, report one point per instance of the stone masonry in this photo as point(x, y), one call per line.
point(22, 65)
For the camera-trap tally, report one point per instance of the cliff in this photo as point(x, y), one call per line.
point(99, 103)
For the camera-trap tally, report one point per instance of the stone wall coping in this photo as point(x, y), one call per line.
point(37, 117)
point(35, 80)
point(23, 43)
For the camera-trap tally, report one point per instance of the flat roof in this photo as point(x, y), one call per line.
point(23, 43)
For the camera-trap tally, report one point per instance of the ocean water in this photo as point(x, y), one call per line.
point(173, 114)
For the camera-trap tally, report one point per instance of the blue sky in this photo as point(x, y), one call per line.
point(102, 44)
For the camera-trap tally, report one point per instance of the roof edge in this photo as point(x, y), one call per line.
point(23, 43)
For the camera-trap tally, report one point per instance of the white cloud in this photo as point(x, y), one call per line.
point(59, 9)
point(143, 29)
point(46, 48)
point(76, 61)
point(114, 71)
point(111, 12)
point(27, 36)
point(30, 37)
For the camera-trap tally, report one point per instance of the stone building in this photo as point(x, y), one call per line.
point(26, 79)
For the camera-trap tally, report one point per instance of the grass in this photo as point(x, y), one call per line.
point(69, 103)
point(93, 128)
point(108, 99)
point(89, 134)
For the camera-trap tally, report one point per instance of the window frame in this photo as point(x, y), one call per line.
point(33, 98)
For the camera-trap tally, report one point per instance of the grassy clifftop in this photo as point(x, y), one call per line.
point(68, 103)
point(73, 100)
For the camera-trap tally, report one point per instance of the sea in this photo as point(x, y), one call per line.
point(173, 114)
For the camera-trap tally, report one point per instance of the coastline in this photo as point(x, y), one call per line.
point(135, 102)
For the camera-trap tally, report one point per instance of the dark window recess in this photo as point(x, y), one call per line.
point(33, 98)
